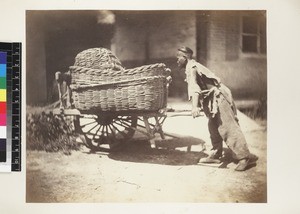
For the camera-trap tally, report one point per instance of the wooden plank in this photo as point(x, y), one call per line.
point(68, 112)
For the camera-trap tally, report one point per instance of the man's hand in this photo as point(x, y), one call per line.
point(196, 112)
point(195, 105)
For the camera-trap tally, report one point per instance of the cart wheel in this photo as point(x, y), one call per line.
point(105, 133)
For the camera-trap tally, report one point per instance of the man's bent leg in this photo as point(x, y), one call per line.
point(216, 139)
point(231, 131)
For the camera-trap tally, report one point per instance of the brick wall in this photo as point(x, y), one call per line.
point(245, 75)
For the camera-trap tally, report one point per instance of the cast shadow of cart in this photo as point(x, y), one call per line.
point(183, 150)
point(172, 151)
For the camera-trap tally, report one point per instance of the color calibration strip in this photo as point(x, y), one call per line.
point(16, 106)
point(5, 147)
point(3, 113)
point(13, 103)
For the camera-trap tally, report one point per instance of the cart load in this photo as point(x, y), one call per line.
point(109, 103)
point(100, 83)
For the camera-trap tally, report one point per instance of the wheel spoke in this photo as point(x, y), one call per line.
point(92, 128)
point(104, 132)
point(125, 123)
point(122, 133)
point(94, 135)
point(101, 138)
point(162, 120)
point(110, 137)
point(126, 126)
point(143, 123)
point(87, 116)
point(141, 126)
point(120, 124)
point(86, 124)
point(128, 119)
point(112, 131)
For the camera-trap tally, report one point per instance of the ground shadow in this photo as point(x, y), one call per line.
point(165, 153)
point(174, 150)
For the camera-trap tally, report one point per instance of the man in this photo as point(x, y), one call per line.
point(207, 92)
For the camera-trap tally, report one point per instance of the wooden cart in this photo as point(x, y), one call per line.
point(109, 103)
point(107, 130)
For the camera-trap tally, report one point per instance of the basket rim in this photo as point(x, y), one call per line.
point(116, 83)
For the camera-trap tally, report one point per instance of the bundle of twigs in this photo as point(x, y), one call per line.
point(48, 132)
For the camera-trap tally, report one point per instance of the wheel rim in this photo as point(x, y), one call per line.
point(104, 132)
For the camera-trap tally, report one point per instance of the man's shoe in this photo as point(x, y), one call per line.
point(242, 165)
point(210, 160)
point(246, 162)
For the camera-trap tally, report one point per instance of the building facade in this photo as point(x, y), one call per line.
point(231, 43)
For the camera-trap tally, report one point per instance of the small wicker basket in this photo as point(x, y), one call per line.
point(100, 83)
point(98, 58)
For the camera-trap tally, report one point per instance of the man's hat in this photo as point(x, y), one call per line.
point(186, 50)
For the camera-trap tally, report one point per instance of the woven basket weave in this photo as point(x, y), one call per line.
point(145, 94)
point(82, 75)
point(98, 58)
point(100, 83)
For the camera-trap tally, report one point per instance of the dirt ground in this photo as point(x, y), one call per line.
point(139, 173)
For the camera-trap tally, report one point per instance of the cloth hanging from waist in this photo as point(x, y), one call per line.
point(213, 96)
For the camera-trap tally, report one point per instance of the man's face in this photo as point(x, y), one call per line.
point(181, 59)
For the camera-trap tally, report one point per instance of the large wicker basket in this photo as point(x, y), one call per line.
point(106, 86)
point(85, 76)
point(144, 94)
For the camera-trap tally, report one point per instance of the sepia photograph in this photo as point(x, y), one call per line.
point(130, 106)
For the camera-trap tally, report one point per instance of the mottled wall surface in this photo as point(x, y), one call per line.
point(151, 35)
point(129, 40)
point(246, 75)
point(139, 38)
point(171, 30)
point(54, 38)
point(247, 78)
point(154, 36)
point(143, 38)
point(36, 85)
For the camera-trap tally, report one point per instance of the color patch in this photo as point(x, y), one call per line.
point(2, 150)
point(3, 58)
point(2, 95)
point(2, 107)
point(2, 119)
point(3, 132)
point(2, 144)
point(2, 70)
point(2, 83)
